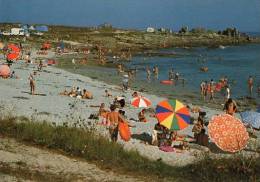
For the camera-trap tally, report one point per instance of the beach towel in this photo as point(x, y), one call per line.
point(167, 148)
point(124, 131)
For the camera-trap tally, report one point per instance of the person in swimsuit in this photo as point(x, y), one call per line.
point(250, 83)
point(113, 118)
point(32, 84)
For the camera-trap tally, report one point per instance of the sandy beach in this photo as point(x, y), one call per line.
point(48, 105)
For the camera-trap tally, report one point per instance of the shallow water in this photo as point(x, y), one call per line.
point(235, 62)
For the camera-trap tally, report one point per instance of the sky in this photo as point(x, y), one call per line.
point(137, 14)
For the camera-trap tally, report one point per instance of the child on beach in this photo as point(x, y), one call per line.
point(107, 94)
point(230, 107)
point(102, 112)
point(141, 116)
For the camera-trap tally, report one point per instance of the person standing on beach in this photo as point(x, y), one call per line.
point(32, 84)
point(148, 73)
point(202, 87)
point(205, 90)
point(250, 83)
point(212, 90)
point(113, 118)
point(125, 82)
point(227, 94)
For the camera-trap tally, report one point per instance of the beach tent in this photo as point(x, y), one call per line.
point(4, 71)
point(31, 27)
point(41, 28)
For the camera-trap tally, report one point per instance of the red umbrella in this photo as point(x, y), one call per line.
point(140, 102)
point(4, 71)
point(13, 48)
point(12, 56)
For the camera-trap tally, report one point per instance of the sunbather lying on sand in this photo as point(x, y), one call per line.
point(87, 94)
point(65, 92)
point(73, 92)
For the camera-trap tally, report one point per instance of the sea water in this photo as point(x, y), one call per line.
point(235, 62)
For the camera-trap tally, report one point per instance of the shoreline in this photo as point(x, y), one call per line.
point(62, 109)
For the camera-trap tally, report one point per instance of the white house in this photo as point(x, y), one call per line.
point(150, 30)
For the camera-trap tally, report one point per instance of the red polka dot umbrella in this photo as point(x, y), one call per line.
point(228, 133)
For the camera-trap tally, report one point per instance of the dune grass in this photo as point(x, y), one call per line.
point(87, 144)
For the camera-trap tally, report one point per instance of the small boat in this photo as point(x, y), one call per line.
point(166, 82)
point(204, 69)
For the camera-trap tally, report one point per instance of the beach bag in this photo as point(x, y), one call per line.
point(124, 131)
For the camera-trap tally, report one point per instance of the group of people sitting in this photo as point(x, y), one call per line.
point(76, 92)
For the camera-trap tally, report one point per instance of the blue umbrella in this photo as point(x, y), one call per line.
point(252, 118)
point(258, 109)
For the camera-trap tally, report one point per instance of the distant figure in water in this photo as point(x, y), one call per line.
point(202, 88)
point(148, 73)
point(250, 83)
point(258, 90)
point(171, 74)
point(156, 72)
point(212, 89)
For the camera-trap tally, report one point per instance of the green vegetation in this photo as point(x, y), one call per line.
point(86, 143)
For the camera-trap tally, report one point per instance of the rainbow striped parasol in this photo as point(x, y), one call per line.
point(173, 114)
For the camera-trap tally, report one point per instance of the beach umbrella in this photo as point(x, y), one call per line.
point(252, 118)
point(258, 109)
point(13, 48)
point(172, 114)
point(140, 102)
point(12, 56)
point(4, 71)
point(228, 133)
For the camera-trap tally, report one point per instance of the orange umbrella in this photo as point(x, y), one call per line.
point(4, 71)
point(228, 133)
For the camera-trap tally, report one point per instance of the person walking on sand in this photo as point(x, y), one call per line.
point(32, 84)
point(125, 82)
point(250, 83)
